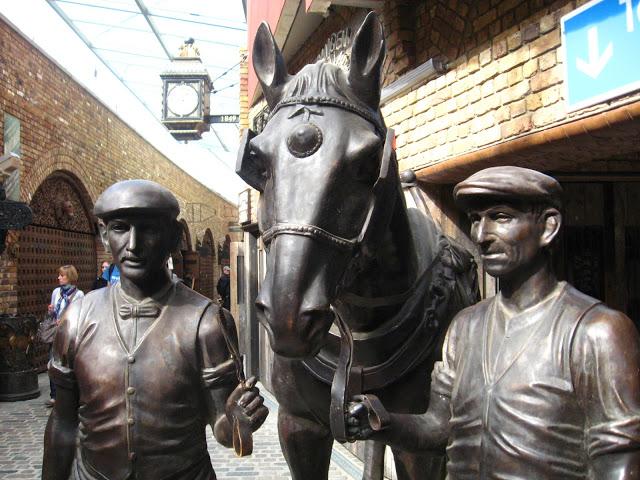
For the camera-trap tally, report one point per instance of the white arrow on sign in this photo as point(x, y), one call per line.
point(597, 62)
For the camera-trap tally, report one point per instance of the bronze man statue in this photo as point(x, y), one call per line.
point(540, 381)
point(143, 366)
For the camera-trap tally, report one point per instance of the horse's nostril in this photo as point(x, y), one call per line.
point(315, 319)
point(262, 309)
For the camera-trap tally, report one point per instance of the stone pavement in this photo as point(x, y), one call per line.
point(22, 429)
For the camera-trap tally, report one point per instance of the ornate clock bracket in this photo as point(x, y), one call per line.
point(186, 103)
point(186, 90)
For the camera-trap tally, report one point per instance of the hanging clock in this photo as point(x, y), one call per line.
point(186, 95)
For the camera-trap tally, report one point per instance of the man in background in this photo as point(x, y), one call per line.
point(224, 287)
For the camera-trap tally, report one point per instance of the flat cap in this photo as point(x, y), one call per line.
point(133, 196)
point(509, 183)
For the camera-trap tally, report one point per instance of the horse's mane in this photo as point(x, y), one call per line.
point(322, 79)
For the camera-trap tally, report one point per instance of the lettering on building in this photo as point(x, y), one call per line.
point(337, 50)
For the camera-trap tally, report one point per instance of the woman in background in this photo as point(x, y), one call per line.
point(61, 297)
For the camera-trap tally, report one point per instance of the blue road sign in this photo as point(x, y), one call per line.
point(601, 43)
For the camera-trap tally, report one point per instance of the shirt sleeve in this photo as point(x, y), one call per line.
point(443, 376)
point(605, 362)
point(53, 296)
point(64, 348)
point(217, 368)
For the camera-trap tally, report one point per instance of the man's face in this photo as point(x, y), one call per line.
point(509, 238)
point(139, 245)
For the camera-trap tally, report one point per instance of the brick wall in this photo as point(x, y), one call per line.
point(244, 90)
point(505, 77)
point(63, 127)
point(507, 85)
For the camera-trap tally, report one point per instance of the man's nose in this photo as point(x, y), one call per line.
point(481, 231)
point(133, 239)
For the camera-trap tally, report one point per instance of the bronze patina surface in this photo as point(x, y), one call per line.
point(540, 381)
point(143, 366)
point(344, 248)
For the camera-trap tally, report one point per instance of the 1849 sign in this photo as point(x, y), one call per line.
point(228, 118)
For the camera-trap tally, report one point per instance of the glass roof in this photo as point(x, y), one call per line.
point(137, 38)
point(117, 49)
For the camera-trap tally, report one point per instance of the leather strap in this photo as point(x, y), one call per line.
point(340, 391)
point(242, 433)
point(416, 321)
point(367, 114)
point(312, 231)
point(378, 416)
point(375, 302)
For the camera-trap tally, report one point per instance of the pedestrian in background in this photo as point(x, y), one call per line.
point(61, 297)
point(111, 274)
point(224, 287)
point(100, 281)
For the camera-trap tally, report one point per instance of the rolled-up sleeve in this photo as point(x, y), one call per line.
point(443, 375)
point(217, 368)
point(605, 361)
point(64, 348)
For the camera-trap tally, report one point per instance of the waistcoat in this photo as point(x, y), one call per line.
point(522, 421)
point(142, 412)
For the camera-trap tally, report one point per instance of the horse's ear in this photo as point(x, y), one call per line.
point(367, 56)
point(269, 65)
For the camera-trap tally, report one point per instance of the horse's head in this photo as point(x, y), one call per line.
point(325, 167)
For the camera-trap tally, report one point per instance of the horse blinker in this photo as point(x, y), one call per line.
point(248, 166)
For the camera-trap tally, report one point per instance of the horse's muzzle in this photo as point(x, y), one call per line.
point(298, 336)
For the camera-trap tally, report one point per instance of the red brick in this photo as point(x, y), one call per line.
point(64, 127)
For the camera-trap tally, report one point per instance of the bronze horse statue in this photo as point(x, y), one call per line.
point(342, 246)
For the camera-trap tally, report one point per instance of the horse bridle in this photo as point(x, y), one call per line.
point(383, 189)
point(381, 206)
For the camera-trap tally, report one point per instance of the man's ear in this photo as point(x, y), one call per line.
point(552, 222)
point(102, 228)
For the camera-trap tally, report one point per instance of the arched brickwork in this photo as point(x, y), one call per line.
point(59, 160)
point(62, 233)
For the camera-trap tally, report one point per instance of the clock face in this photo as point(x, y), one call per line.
point(183, 100)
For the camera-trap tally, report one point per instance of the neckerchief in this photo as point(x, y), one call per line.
point(66, 291)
